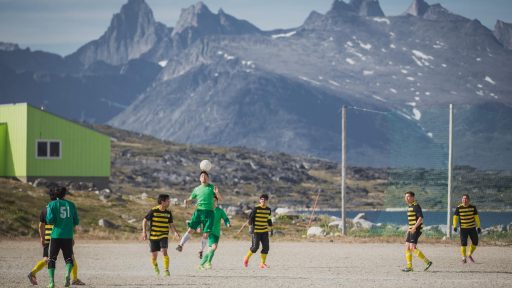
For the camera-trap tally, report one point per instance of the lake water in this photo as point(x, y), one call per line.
point(487, 219)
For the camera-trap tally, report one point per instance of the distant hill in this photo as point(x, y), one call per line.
point(214, 79)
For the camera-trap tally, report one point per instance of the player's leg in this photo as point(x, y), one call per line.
point(408, 254)
point(213, 242)
point(204, 243)
point(52, 258)
point(193, 224)
point(418, 252)
point(463, 243)
point(164, 244)
point(255, 245)
point(74, 274)
point(154, 247)
point(39, 266)
point(265, 247)
point(473, 235)
point(67, 252)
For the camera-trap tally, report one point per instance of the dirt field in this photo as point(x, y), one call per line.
point(299, 264)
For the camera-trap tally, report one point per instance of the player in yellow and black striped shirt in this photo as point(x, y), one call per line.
point(260, 223)
point(467, 216)
point(160, 219)
point(415, 221)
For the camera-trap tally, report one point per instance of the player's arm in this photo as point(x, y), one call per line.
point(418, 223)
point(50, 216)
point(252, 217)
point(217, 193)
point(269, 222)
point(42, 232)
point(477, 220)
point(144, 232)
point(173, 228)
point(225, 218)
point(76, 220)
point(455, 219)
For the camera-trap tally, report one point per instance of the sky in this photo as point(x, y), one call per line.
point(62, 26)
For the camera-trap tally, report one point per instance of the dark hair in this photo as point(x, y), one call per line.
point(264, 196)
point(204, 172)
point(57, 191)
point(162, 198)
point(466, 196)
point(410, 193)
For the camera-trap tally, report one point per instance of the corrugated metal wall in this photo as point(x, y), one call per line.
point(14, 158)
point(84, 152)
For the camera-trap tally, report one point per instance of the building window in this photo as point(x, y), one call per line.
point(50, 149)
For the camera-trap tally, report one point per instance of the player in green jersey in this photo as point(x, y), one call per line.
point(45, 231)
point(214, 235)
point(62, 214)
point(203, 216)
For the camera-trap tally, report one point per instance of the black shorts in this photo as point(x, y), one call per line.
point(157, 245)
point(472, 233)
point(413, 237)
point(57, 244)
point(45, 250)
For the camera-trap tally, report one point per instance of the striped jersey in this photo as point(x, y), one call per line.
point(466, 216)
point(47, 227)
point(260, 218)
point(413, 213)
point(159, 223)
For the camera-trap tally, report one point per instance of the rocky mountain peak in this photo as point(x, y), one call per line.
point(197, 20)
point(417, 8)
point(503, 32)
point(368, 8)
point(132, 32)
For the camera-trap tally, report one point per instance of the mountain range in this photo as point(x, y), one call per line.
point(218, 80)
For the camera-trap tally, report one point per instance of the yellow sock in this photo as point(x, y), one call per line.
point(153, 261)
point(249, 254)
point(39, 266)
point(166, 262)
point(263, 258)
point(472, 249)
point(408, 258)
point(74, 271)
point(463, 251)
point(420, 255)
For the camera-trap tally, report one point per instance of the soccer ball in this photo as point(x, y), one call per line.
point(205, 165)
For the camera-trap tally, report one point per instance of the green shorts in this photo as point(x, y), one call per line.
point(203, 218)
point(213, 239)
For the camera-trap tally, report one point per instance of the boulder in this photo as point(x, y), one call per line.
point(107, 224)
point(282, 211)
point(361, 223)
point(315, 231)
point(40, 182)
point(233, 210)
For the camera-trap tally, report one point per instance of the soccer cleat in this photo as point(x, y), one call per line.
point(167, 273)
point(51, 285)
point(67, 282)
point(77, 282)
point(32, 278)
point(200, 254)
point(471, 259)
point(208, 265)
point(407, 269)
point(201, 267)
point(263, 265)
point(463, 260)
point(428, 265)
point(246, 262)
point(157, 271)
point(179, 248)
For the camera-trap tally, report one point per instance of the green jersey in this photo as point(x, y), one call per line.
point(205, 196)
point(218, 216)
point(62, 214)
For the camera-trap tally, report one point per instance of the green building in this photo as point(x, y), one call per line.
point(37, 144)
